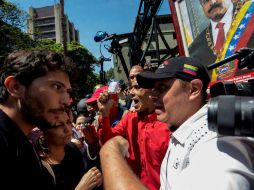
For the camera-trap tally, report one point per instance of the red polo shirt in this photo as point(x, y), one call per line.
point(148, 139)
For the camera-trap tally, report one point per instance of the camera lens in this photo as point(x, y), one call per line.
point(232, 115)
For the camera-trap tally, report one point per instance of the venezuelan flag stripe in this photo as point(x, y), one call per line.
point(246, 34)
point(190, 72)
point(244, 16)
point(240, 25)
point(190, 69)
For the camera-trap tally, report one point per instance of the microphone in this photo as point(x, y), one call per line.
point(239, 54)
point(228, 59)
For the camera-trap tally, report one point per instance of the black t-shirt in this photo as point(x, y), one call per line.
point(19, 164)
point(69, 172)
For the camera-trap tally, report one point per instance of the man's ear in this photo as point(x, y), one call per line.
point(13, 86)
point(196, 88)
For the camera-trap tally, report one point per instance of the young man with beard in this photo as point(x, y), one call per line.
point(34, 91)
point(148, 138)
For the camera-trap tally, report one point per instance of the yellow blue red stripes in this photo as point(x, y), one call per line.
point(241, 23)
point(190, 69)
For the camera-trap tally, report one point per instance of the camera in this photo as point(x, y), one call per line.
point(232, 115)
point(231, 108)
point(88, 121)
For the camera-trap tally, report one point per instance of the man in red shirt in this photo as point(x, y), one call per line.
point(148, 138)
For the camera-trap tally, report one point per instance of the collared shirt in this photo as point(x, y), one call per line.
point(198, 158)
point(227, 20)
point(148, 139)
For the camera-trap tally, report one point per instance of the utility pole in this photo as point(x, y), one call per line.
point(63, 26)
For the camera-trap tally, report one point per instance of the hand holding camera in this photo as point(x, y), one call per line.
point(105, 103)
point(104, 97)
point(90, 134)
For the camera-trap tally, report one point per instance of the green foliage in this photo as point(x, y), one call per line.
point(12, 19)
point(12, 15)
point(85, 79)
point(49, 45)
point(81, 54)
point(12, 39)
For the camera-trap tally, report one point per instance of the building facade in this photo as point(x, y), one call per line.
point(46, 23)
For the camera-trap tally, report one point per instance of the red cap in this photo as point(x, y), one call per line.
point(96, 94)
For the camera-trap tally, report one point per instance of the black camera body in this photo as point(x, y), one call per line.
point(231, 108)
point(231, 88)
point(232, 115)
point(88, 121)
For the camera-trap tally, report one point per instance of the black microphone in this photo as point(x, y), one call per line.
point(228, 59)
point(239, 54)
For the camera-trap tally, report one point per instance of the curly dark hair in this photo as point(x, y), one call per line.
point(27, 65)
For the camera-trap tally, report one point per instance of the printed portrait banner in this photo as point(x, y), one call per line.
point(201, 33)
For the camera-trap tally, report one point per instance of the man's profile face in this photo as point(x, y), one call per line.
point(141, 98)
point(44, 101)
point(134, 72)
point(171, 100)
point(215, 9)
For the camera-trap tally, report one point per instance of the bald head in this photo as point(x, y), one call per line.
point(136, 69)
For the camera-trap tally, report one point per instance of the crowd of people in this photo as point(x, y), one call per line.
point(151, 133)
